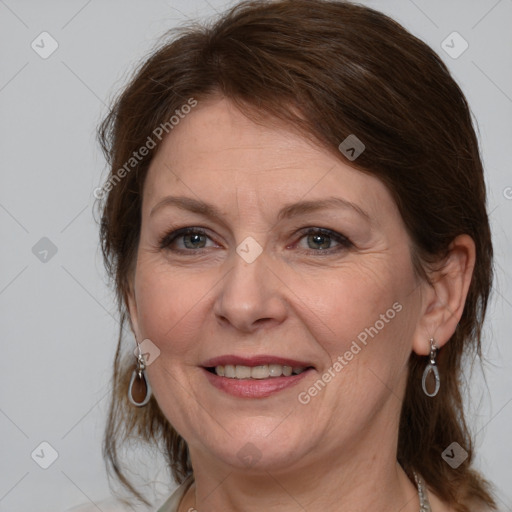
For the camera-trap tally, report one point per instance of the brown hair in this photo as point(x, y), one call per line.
point(330, 69)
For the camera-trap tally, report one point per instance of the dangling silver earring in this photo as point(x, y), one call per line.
point(139, 391)
point(431, 367)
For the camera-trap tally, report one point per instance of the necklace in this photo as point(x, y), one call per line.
point(422, 493)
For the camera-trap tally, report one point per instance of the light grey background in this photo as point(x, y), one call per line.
point(59, 324)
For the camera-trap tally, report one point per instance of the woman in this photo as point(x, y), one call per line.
point(295, 223)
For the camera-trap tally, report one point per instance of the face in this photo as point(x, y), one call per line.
point(262, 255)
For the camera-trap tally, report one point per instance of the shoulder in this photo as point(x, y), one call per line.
point(111, 505)
point(481, 507)
point(440, 506)
point(172, 503)
point(104, 506)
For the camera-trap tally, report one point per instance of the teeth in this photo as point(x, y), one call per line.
point(257, 372)
point(229, 371)
point(275, 370)
point(287, 371)
point(242, 372)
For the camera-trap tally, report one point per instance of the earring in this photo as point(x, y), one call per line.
point(431, 367)
point(139, 391)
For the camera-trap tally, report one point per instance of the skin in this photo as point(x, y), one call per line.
point(338, 452)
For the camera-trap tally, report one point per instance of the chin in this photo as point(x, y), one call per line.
point(253, 452)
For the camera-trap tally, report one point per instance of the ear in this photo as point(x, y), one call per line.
point(443, 301)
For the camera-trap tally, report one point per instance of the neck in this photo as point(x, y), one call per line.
point(332, 482)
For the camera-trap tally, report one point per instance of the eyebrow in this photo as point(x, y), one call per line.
point(288, 211)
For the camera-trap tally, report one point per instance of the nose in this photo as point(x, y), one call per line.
point(251, 296)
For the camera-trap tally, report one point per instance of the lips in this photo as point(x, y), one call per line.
point(254, 377)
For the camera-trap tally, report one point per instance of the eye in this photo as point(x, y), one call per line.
point(321, 240)
point(191, 239)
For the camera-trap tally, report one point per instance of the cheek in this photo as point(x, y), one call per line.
point(346, 301)
point(169, 302)
point(362, 313)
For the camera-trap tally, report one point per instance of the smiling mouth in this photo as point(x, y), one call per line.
point(265, 371)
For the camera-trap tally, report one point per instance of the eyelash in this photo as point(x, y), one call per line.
point(344, 243)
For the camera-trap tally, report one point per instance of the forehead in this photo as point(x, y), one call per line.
point(216, 151)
